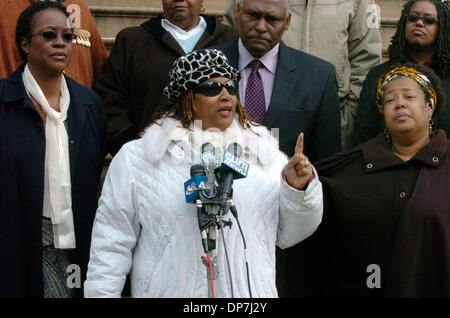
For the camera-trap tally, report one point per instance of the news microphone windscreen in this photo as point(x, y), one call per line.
point(211, 156)
point(194, 182)
point(207, 146)
point(231, 161)
point(235, 149)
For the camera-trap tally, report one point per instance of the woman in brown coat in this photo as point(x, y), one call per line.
point(387, 201)
point(137, 70)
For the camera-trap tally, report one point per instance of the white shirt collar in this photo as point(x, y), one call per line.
point(178, 33)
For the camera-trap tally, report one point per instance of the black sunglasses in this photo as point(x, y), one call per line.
point(428, 19)
point(213, 88)
point(51, 35)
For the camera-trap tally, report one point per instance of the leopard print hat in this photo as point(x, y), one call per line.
point(196, 67)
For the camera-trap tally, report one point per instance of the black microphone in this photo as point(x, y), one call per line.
point(197, 170)
point(197, 180)
point(232, 167)
point(198, 176)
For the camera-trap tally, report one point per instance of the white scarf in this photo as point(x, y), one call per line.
point(57, 186)
point(179, 34)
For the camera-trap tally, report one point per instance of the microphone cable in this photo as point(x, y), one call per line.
point(211, 275)
point(233, 211)
point(226, 253)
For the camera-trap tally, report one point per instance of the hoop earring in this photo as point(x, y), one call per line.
point(388, 136)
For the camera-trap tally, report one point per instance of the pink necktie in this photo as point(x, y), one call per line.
point(255, 102)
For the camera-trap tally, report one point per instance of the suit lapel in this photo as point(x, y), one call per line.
point(285, 79)
point(285, 82)
point(231, 51)
point(76, 117)
point(15, 89)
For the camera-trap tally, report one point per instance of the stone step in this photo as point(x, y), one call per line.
point(111, 16)
point(110, 20)
point(125, 3)
point(210, 4)
point(388, 27)
point(389, 8)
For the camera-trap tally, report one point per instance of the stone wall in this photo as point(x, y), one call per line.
point(112, 16)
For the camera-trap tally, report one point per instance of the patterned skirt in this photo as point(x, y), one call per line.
point(54, 265)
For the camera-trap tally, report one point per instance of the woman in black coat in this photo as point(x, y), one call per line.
point(52, 135)
point(423, 37)
point(386, 203)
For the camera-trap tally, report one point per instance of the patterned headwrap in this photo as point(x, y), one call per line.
point(196, 67)
point(410, 72)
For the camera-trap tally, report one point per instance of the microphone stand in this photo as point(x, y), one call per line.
point(209, 223)
point(212, 211)
point(215, 201)
point(209, 205)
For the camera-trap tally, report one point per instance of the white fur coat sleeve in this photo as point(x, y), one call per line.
point(300, 212)
point(115, 232)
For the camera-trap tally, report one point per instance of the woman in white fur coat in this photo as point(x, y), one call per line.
point(144, 226)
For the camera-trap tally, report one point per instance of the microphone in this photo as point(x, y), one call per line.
point(232, 167)
point(197, 181)
point(207, 210)
point(208, 151)
point(193, 188)
point(211, 160)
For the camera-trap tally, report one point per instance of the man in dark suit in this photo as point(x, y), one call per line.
point(300, 91)
point(289, 90)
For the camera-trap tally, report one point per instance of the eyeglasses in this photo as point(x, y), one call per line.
point(428, 19)
point(51, 35)
point(213, 88)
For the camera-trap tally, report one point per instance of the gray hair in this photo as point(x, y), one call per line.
point(288, 3)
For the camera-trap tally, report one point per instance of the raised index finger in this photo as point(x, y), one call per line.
point(299, 145)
